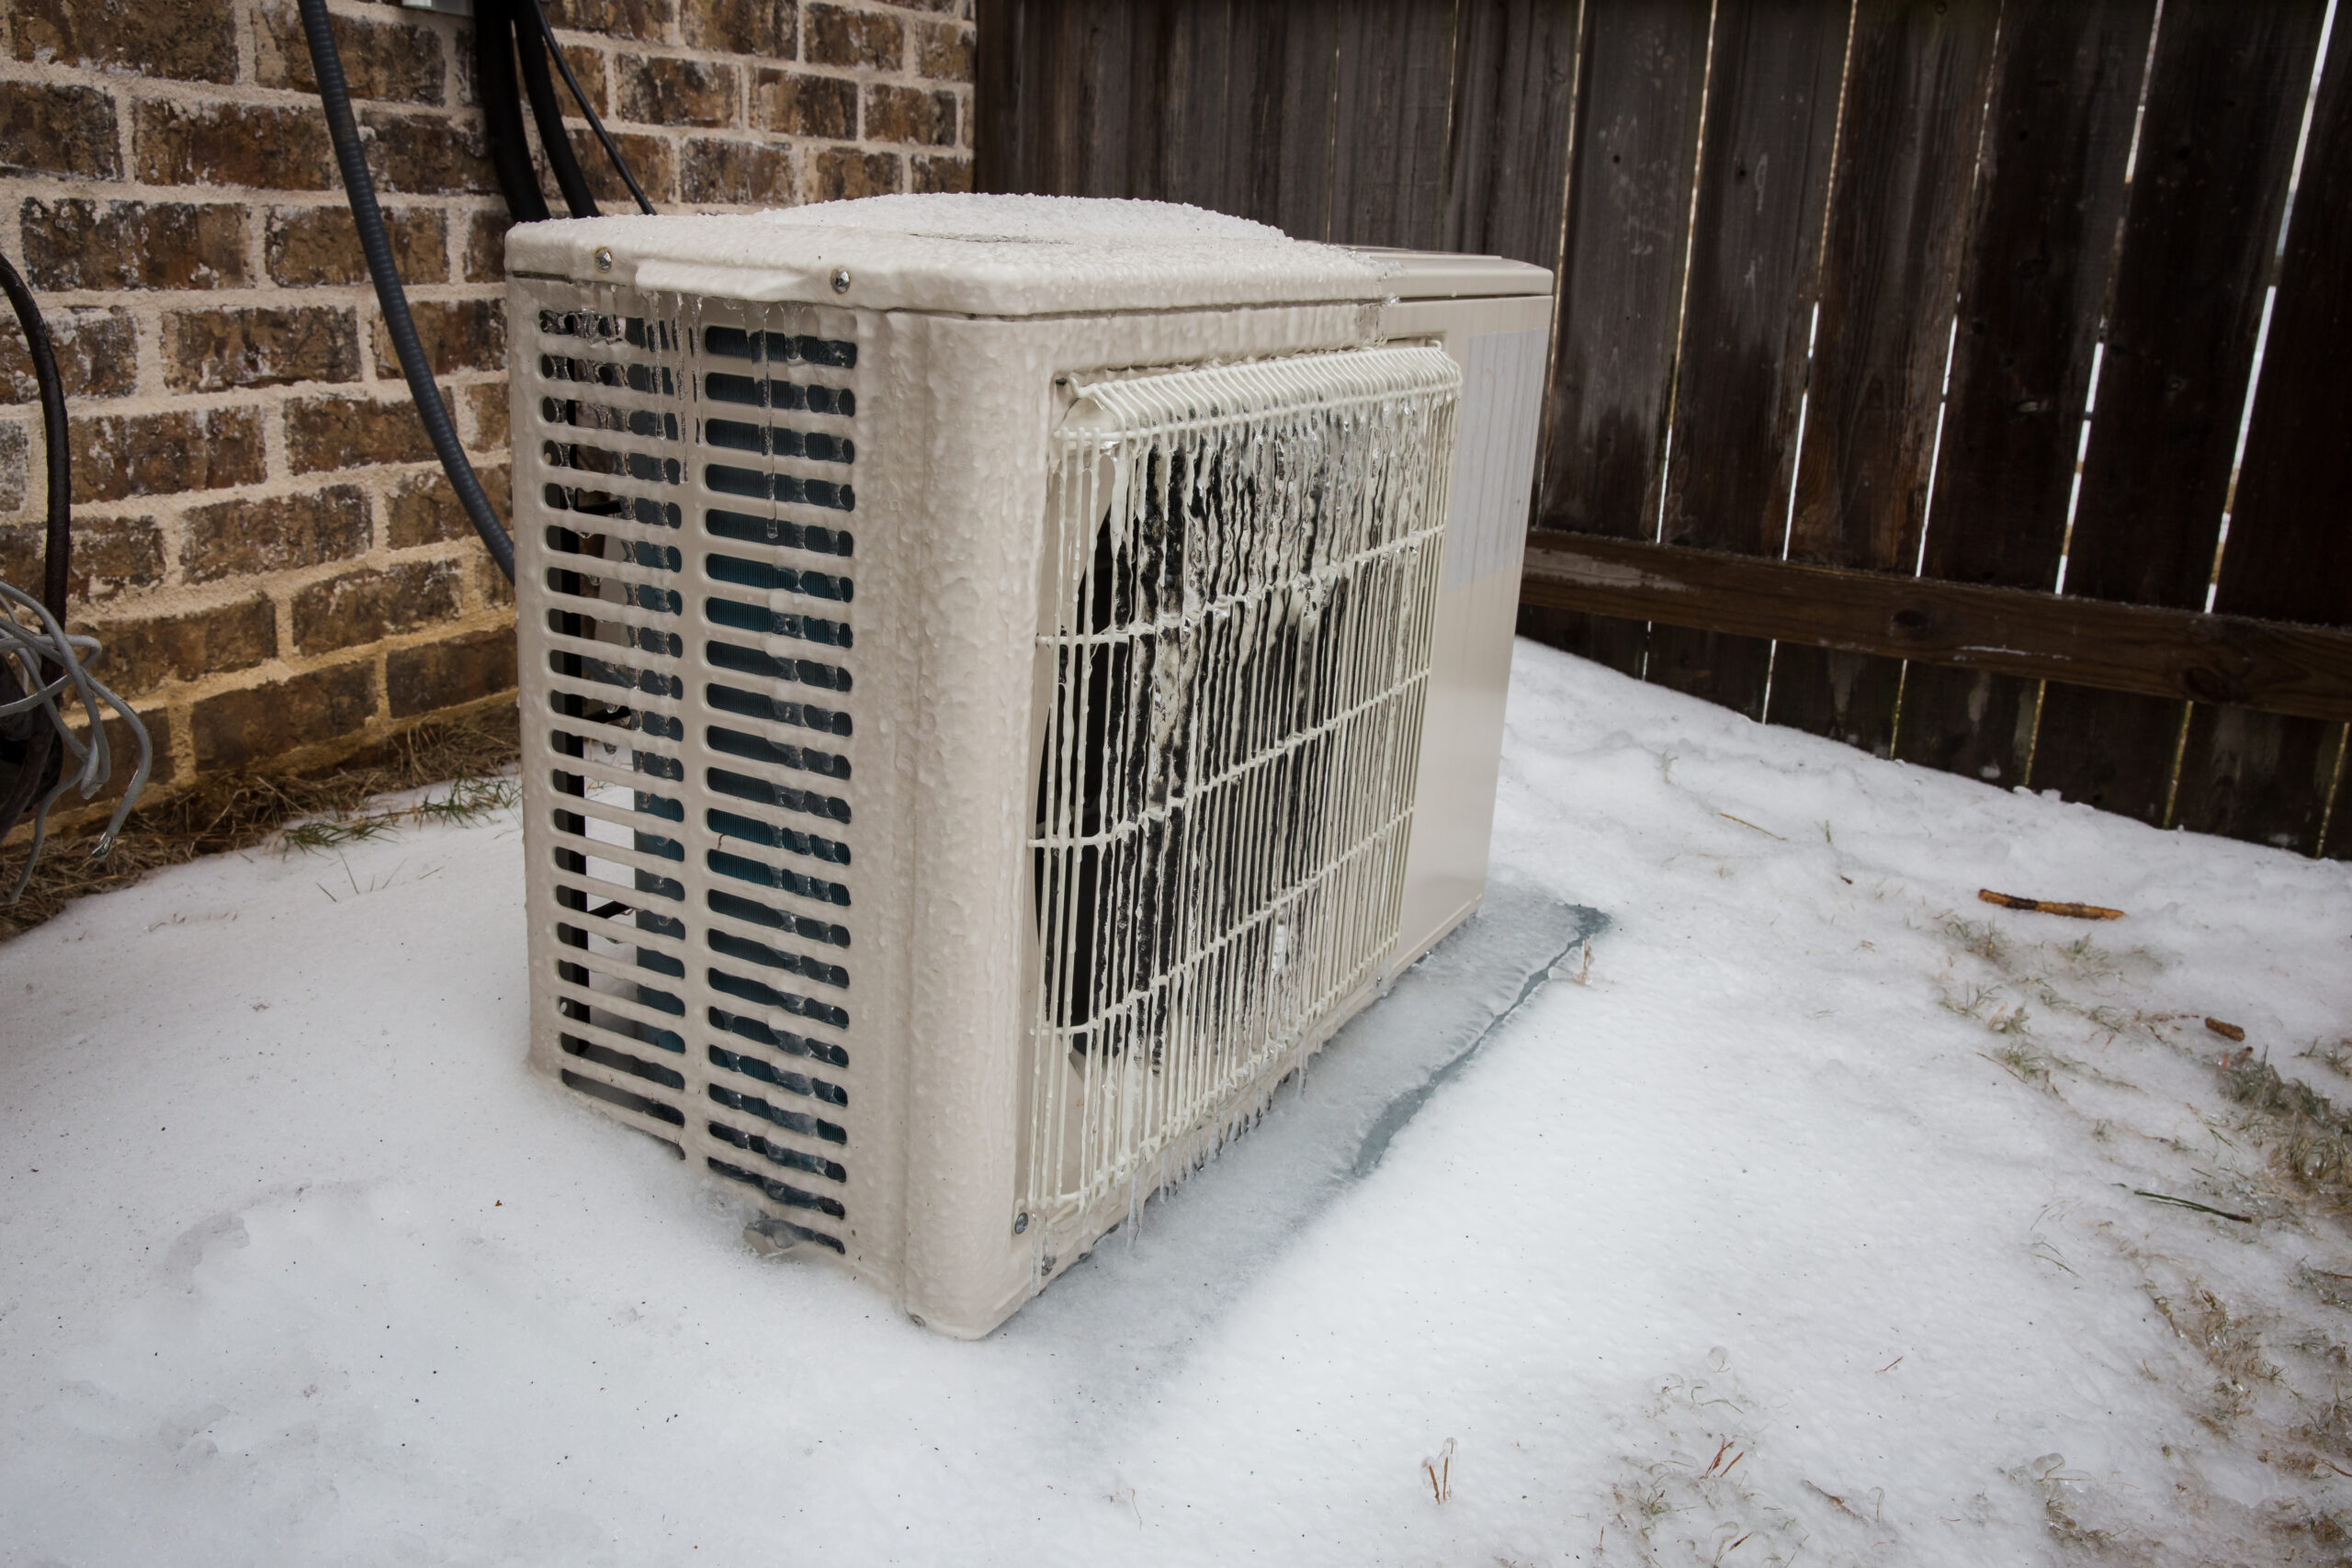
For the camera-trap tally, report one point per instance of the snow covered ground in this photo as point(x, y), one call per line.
point(1806, 1224)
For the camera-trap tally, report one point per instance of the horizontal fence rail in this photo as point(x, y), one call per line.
point(1965, 382)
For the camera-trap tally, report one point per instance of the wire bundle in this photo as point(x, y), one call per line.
point(44, 662)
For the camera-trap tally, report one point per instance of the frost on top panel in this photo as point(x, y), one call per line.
point(1014, 256)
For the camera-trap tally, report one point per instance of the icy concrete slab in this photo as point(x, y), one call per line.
point(1157, 1284)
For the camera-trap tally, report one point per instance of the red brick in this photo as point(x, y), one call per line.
point(417, 154)
point(645, 20)
point(651, 158)
point(909, 114)
point(487, 402)
point(195, 40)
point(279, 532)
point(259, 345)
point(236, 729)
point(762, 27)
point(944, 50)
point(449, 674)
point(486, 246)
point(351, 432)
point(261, 146)
point(491, 584)
point(304, 246)
point(368, 606)
point(166, 454)
point(97, 354)
point(144, 654)
point(457, 334)
point(52, 128)
point(14, 449)
point(400, 61)
point(836, 35)
point(425, 509)
point(941, 174)
point(668, 92)
point(110, 556)
point(746, 172)
point(805, 106)
point(844, 172)
point(77, 244)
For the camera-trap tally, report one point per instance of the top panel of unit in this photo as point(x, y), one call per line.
point(996, 255)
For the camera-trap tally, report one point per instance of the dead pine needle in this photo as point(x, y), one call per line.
point(1746, 823)
point(2191, 1204)
point(2229, 1032)
point(2049, 905)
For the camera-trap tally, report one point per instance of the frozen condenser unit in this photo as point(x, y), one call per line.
point(1003, 679)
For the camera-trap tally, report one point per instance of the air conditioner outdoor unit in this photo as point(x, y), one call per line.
point(1003, 680)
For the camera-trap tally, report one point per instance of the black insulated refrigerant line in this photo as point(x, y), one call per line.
point(612, 150)
point(547, 113)
point(39, 759)
point(502, 113)
point(334, 94)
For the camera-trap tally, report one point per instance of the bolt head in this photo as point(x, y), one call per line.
point(604, 259)
point(1020, 1223)
point(841, 280)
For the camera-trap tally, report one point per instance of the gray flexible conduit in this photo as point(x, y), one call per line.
point(326, 64)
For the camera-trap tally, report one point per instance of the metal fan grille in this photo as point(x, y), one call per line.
point(1246, 564)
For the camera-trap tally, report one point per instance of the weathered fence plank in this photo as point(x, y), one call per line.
point(1907, 154)
point(1641, 77)
point(1755, 246)
point(2217, 142)
point(2048, 196)
point(1395, 102)
point(1507, 164)
point(2289, 556)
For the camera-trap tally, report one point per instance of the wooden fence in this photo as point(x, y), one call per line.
point(1904, 353)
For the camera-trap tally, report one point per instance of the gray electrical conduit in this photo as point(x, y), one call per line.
point(335, 96)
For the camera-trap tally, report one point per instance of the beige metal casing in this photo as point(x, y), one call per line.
point(955, 407)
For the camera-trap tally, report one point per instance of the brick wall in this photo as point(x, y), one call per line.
point(276, 567)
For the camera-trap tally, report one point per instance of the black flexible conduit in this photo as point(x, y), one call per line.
point(55, 575)
point(547, 112)
point(326, 64)
point(501, 112)
point(41, 758)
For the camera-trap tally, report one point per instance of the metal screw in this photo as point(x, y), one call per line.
point(604, 259)
point(1020, 1223)
point(841, 280)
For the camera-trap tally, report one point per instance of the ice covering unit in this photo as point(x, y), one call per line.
point(1003, 679)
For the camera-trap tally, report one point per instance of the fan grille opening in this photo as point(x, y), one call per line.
point(1246, 573)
